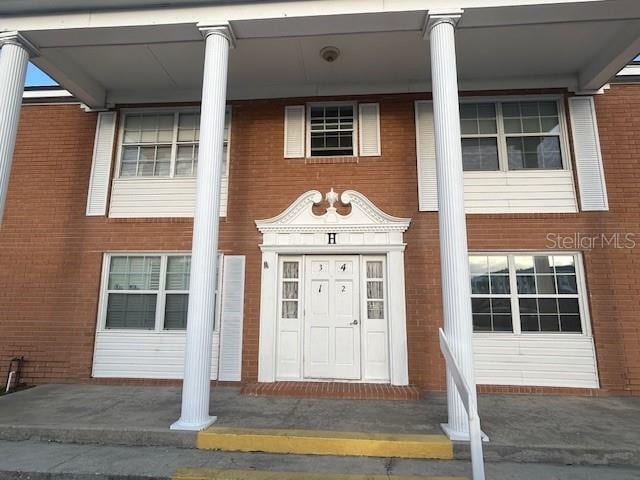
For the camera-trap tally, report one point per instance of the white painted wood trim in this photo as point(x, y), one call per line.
point(297, 231)
point(586, 144)
point(268, 318)
point(426, 157)
point(98, 191)
point(369, 131)
point(231, 308)
point(294, 128)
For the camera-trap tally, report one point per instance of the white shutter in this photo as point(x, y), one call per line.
point(101, 164)
point(232, 306)
point(586, 144)
point(369, 127)
point(426, 153)
point(294, 140)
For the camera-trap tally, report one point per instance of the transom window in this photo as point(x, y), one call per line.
point(164, 144)
point(514, 135)
point(332, 130)
point(525, 293)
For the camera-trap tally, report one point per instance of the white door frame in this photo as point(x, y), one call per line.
point(365, 230)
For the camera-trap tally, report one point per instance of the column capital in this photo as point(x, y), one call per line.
point(16, 38)
point(437, 16)
point(224, 30)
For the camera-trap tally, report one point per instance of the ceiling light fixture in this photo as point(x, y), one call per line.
point(330, 54)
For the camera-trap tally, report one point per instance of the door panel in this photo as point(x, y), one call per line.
point(332, 318)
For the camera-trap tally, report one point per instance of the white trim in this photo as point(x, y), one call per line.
point(297, 231)
point(377, 152)
point(587, 179)
point(46, 94)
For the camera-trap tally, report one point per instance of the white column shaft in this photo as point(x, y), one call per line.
point(13, 68)
point(454, 261)
point(204, 253)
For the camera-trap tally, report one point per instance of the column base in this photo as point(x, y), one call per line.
point(191, 426)
point(457, 436)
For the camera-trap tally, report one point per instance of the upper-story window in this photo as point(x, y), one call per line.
point(332, 130)
point(163, 144)
point(512, 135)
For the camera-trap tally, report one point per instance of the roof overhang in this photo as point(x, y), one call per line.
point(156, 54)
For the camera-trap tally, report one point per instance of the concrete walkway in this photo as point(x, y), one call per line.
point(551, 429)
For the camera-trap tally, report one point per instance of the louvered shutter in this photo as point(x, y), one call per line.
point(586, 145)
point(426, 153)
point(101, 164)
point(369, 126)
point(232, 305)
point(294, 139)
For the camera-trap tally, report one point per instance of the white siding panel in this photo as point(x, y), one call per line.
point(232, 305)
point(586, 143)
point(159, 197)
point(101, 164)
point(535, 360)
point(426, 153)
point(545, 191)
point(144, 355)
point(369, 128)
point(294, 139)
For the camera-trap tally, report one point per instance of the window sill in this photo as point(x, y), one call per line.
point(331, 160)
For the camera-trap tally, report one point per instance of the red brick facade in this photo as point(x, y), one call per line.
point(50, 252)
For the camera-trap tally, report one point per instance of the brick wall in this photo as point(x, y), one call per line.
point(50, 252)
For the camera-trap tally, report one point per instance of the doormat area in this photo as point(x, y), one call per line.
point(370, 391)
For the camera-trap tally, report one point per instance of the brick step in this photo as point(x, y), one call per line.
point(318, 442)
point(370, 391)
point(205, 474)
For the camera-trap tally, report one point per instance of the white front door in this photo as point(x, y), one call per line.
point(332, 318)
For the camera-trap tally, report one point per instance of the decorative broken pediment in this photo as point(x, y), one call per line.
point(363, 217)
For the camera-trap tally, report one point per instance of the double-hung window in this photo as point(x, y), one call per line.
point(512, 135)
point(147, 292)
point(527, 293)
point(163, 144)
point(332, 130)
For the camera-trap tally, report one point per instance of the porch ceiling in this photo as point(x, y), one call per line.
point(578, 46)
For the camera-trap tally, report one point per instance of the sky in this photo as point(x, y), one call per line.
point(37, 78)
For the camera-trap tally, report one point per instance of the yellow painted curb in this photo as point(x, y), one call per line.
point(205, 474)
point(310, 442)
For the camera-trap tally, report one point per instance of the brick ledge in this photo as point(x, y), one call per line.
point(371, 391)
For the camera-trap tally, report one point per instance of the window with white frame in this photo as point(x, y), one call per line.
point(163, 144)
point(290, 288)
point(147, 291)
point(332, 129)
point(526, 293)
point(512, 135)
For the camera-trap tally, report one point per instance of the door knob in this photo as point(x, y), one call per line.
point(355, 322)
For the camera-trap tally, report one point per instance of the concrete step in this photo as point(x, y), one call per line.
point(318, 442)
point(207, 474)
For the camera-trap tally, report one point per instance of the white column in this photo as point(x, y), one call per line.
point(14, 58)
point(204, 250)
point(454, 261)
